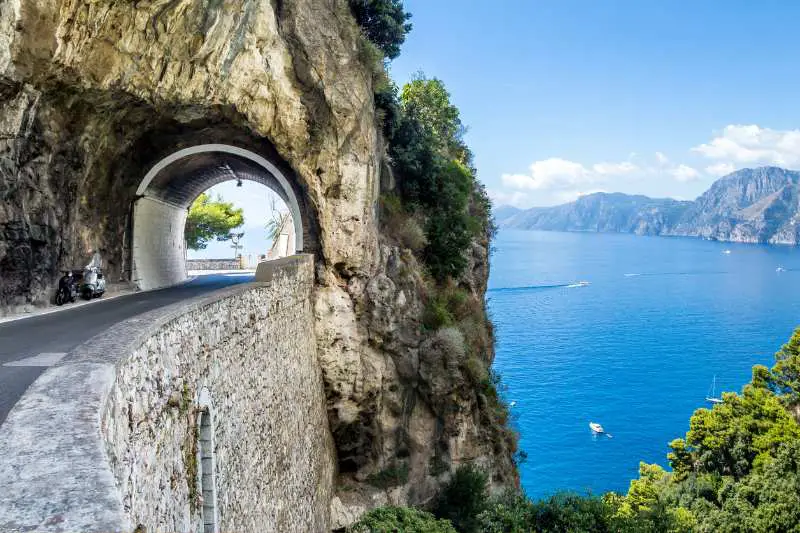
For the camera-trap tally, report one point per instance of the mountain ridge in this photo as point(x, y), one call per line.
point(756, 205)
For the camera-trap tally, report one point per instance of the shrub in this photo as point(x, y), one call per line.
point(511, 512)
point(396, 519)
point(392, 476)
point(384, 22)
point(451, 341)
point(387, 105)
point(436, 314)
point(447, 305)
point(476, 371)
point(463, 499)
point(411, 235)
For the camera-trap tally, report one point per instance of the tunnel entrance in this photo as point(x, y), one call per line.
point(165, 193)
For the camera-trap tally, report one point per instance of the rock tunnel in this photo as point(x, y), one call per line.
point(169, 187)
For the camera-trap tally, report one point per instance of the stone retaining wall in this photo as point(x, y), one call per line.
point(213, 264)
point(108, 440)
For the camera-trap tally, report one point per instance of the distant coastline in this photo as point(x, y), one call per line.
point(760, 205)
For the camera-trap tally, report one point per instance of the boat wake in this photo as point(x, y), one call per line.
point(695, 273)
point(570, 285)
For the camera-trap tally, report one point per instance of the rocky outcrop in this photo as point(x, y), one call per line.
point(93, 94)
point(759, 205)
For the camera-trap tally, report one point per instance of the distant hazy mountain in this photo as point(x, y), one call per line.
point(750, 205)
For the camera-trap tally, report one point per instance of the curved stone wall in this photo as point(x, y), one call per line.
point(108, 439)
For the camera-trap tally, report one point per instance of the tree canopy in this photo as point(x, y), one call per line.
point(406, 519)
point(384, 23)
point(435, 176)
point(211, 219)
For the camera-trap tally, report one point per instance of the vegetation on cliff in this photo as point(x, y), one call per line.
point(384, 22)
point(737, 470)
point(433, 205)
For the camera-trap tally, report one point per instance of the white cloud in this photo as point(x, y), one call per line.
point(753, 145)
point(518, 181)
point(555, 180)
point(661, 158)
point(720, 169)
point(515, 198)
point(549, 174)
point(556, 174)
point(684, 173)
point(615, 169)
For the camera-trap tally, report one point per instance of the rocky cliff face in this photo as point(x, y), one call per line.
point(92, 94)
point(750, 205)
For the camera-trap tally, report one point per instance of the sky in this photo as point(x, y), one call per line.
point(568, 97)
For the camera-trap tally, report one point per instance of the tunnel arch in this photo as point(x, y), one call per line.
point(168, 189)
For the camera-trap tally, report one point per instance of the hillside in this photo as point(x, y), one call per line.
point(750, 205)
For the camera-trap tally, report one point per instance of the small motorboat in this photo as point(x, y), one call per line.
point(597, 428)
point(726, 252)
point(780, 269)
point(583, 284)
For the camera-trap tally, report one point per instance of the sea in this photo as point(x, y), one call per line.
point(636, 350)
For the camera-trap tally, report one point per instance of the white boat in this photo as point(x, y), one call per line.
point(583, 283)
point(780, 269)
point(597, 428)
point(726, 251)
point(710, 397)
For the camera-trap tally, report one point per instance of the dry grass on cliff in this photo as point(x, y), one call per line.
point(402, 227)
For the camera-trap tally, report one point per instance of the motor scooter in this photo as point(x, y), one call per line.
point(93, 284)
point(67, 288)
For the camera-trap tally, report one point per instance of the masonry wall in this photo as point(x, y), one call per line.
point(213, 264)
point(159, 253)
point(116, 421)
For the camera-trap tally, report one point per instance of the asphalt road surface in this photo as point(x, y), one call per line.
point(29, 346)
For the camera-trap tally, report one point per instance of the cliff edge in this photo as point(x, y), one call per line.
point(93, 94)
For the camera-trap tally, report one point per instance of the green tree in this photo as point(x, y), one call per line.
point(384, 23)
point(463, 498)
point(785, 375)
point(735, 436)
point(435, 176)
point(427, 101)
point(395, 519)
point(211, 219)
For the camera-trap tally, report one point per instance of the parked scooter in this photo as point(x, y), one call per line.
point(93, 284)
point(67, 288)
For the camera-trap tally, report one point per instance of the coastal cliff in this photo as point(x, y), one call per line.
point(751, 205)
point(92, 93)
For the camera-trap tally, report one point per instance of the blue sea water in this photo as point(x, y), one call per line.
point(636, 350)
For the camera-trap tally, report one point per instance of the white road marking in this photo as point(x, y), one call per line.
point(43, 359)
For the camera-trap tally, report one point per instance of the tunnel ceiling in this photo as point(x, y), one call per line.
point(185, 179)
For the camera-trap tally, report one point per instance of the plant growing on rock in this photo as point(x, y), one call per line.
point(384, 23)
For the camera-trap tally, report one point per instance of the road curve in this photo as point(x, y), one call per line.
point(29, 346)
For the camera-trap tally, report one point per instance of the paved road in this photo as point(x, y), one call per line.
point(29, 346)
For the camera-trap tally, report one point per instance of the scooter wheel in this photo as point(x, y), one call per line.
point(59, 299)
